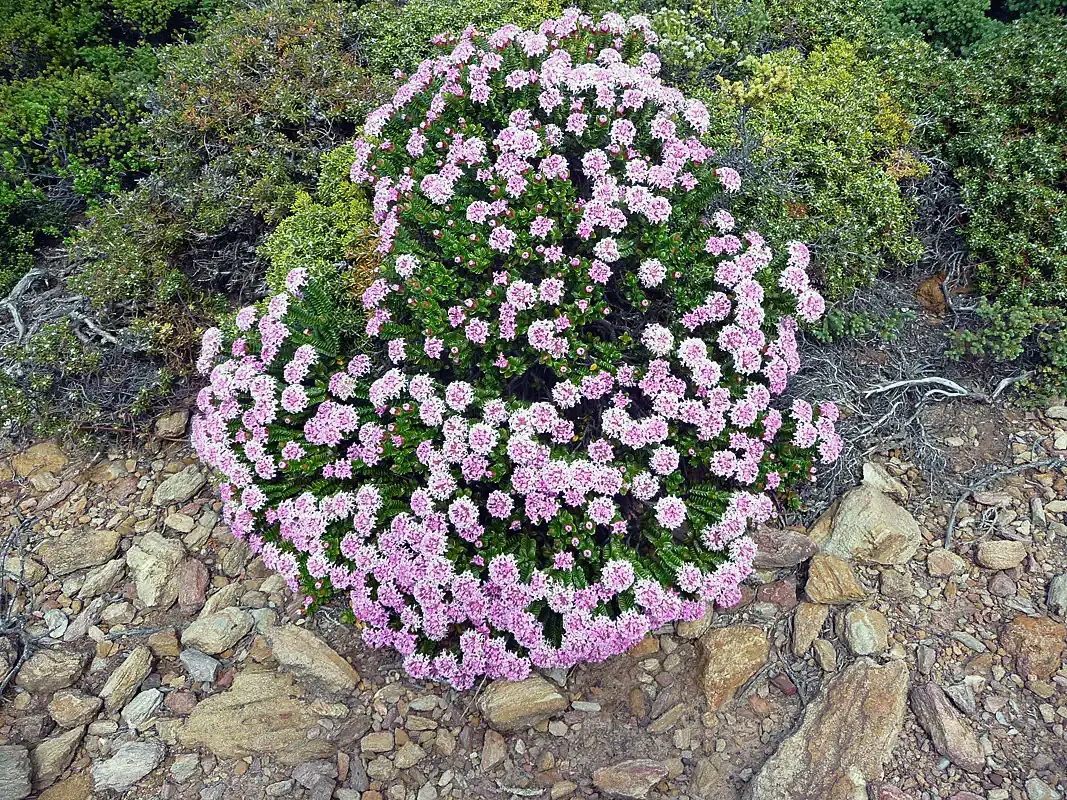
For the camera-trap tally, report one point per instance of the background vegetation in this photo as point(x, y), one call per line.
point(161, 160)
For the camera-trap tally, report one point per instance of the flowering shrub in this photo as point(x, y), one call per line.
point(542, 442)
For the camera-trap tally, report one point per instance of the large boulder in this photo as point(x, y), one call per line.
point(264, 713)
point(847, 734)
point(870, 528)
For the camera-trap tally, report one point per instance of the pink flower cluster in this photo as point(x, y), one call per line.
point(542, 400)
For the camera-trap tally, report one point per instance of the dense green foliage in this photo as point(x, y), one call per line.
point(73, 78)
point(814, 118)
point(1002, 130)
point(172, 150)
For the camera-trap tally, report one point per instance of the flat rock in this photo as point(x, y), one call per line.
point(632, 779)
point(142, 708)
point(494, 750)
point(832, 580)
point(122, 684)
point(47, 671)
point(70, 708)
point(309, 658)
point(1056, 412)
point(14, 772)
point(1001, 553)
point(179, 487)
point(947, 728)
point(941, 563)
point(870, 528)
point(172, 424)
point(1036, 643)
point(216, 632)
point(876, 476)
point(132, 761)
point(264, 713)
point(193, 580)
point(200, 666)
point(509, 706)
point(153, 562)
point(847, 734)
point(28, 569)
point(77, 550)
point(729, 657)
point(777, 548)
point(808, 620)
point(54, 755)
point(46, 457)
point(102, 579)
point(866, 631)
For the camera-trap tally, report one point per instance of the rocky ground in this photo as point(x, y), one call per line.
point(865, 660)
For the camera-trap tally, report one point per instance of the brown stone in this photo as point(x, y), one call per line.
point(1036, 643)
point(729, 657)
point(780, 547)
point(45, 457)
point(1001, 553)
point(808, 620)
point(846, 735)
point(310, 659)
point(782, 594)
point(831, 580)
point(948, 729)
point(870, 528)
point(510, 707)
point(77, 550)
point(630, 779)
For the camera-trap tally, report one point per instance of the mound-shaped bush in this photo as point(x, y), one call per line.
point(540, 442)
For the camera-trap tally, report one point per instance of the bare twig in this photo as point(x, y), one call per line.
point(979, 485)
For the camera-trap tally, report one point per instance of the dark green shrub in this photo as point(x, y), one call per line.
point(825, 145)
point(957, 25)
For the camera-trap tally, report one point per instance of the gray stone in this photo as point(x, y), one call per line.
point(201, 667)
point(153, 562)
point(846, 735)
point(866, 631)
point(184, 767)
point(172, 424)
point(1037, 789)
point(1056, 412)
point(1057, 595)
point(102, 579)
point(310, 659)
point(180, 487)
point(142, 708)
point(217, 632)
point(14, 772)
point(123, 682)
point(89, 616)
point(963, 696)
point(132, 761)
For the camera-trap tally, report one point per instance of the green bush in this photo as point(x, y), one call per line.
point(957, 25)
point(73, 78)
point(1001, 129)
point(396, 35)
point(828, 145)
point(329, 233)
